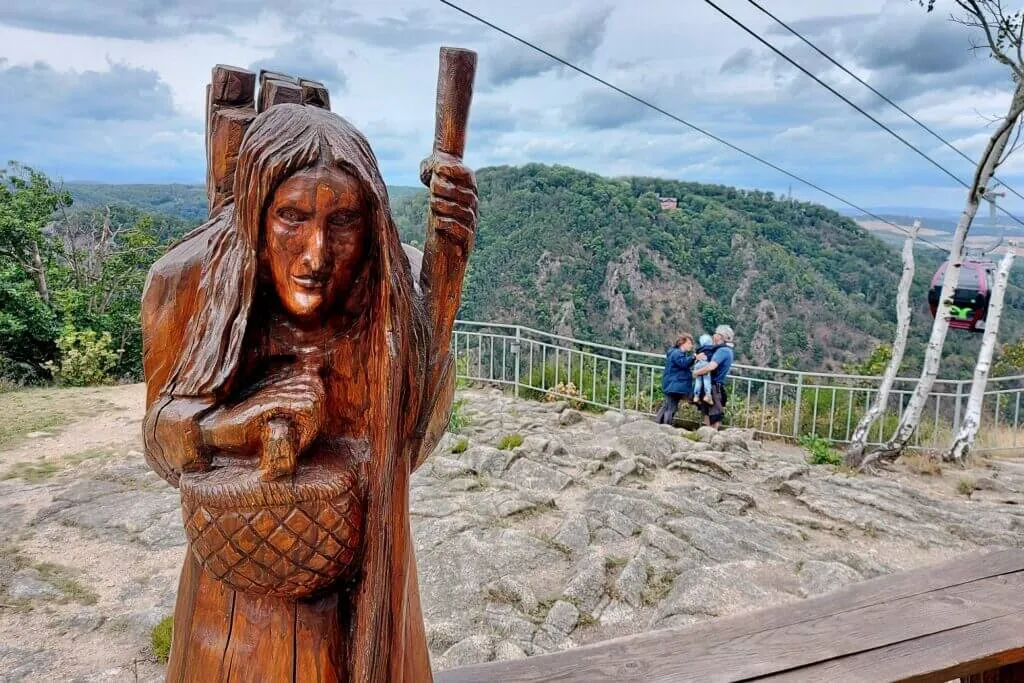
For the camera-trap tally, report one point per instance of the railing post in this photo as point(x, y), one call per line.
point(622, 383)
point(796, 409)
point(957, 408)
point(516, 346)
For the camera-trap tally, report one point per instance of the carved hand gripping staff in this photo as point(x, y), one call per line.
point(297, 366)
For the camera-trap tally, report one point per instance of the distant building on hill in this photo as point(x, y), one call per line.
point(668, 203)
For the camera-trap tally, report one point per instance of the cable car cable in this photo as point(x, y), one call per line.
point(867, 85)
point(852, 104)
point(684, 122)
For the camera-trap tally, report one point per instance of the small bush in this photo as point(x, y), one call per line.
point(161, 639)
point(86, 358)
point(923, 463)
point(458, 420)
point(460, 446)
point(821, 451)
point(965, 487)
point(510, 441)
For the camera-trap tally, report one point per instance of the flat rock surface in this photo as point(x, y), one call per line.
point(594, 527)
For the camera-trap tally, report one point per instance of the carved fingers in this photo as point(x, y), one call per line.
point(231, 106)
point(299, 401)
point(453, 196)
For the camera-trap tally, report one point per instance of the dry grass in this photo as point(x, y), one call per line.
point(38, 410)
point(923, 463)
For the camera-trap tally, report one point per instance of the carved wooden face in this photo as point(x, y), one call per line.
point(316, 239)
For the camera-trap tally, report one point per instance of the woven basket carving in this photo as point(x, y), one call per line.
point(286, 539)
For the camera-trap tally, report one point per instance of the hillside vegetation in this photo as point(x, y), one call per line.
point(557, 249)
point(598, 258)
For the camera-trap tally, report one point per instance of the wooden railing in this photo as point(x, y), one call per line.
point(960, 620)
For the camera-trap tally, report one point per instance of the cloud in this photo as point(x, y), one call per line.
point(574, 36)
point(43, 94)
point(302, 59)
point(414, 28)
point(738, 62)
point(122, 120)
point(603, 109)
point(134, 19)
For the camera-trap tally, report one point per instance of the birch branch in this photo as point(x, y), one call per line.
point(964, 441)
point(855, 451)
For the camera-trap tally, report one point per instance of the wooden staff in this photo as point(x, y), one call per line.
point(447, 245)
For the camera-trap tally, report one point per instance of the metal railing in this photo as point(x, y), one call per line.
point(787, 404)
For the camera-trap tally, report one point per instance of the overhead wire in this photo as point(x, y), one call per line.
point(870, 87)
point(850, 102)
point(684, 122)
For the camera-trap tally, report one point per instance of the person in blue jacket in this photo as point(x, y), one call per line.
point(676, 380)
point(718, 367)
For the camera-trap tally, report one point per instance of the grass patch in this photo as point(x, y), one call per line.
point(615, 561)
point(35, 472)
point(692, 436)
point(63, 578)
point(161, 639)
point(458, 420)
point(510, 441)
point(557, 545)
point(460, 446)
point(965, 486)
point(532, 511)
point(820, 451)
point(39, 410)
point(922, 463)
point(658, 585)
point(544, 606)
point(32, 472)
point(94, 454)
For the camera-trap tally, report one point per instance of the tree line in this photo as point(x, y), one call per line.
point(71, 282)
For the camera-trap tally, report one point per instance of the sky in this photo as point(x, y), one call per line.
point(113, 91)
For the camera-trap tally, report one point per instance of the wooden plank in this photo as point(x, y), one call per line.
point(675, 653)
point(951, 654)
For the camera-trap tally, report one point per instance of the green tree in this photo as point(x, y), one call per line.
point(27, 203)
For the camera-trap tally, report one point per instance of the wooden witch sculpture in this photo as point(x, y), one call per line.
point(298, 370)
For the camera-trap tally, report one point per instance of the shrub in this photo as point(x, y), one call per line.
point(458, 420)
point(161, 639)
point(510, 441)
point(86, 358)
point(821, 451)
point(460, 446)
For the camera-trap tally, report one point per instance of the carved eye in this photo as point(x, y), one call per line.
point(289, 215)
point(344, 219)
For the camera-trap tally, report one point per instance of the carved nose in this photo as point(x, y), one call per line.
point(315, 256)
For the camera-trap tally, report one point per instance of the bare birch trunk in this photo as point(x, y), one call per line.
point(39, 273)
point(964, 441)
point(933, 354)
point(855, 451)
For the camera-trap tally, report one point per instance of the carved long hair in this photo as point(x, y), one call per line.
point(281, 141)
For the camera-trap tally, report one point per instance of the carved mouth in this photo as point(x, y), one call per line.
point(310, 281)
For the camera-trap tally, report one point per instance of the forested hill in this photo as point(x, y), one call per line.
point(580, 254)
point(577, 253)
point(187, 202)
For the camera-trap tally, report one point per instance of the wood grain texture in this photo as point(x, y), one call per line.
point(867, 617)
point(290, 350)
point(975, 651)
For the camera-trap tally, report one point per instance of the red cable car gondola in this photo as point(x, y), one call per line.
point(970, 299)
point(977, 275)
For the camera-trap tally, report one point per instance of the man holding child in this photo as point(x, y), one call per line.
point(701, 375)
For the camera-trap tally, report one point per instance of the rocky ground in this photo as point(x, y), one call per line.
point(594, 526)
